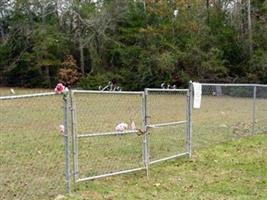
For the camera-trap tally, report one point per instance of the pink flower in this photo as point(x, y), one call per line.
point(59, 88)
point(61, 128)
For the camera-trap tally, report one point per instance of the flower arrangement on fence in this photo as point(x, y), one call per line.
point(59, 89)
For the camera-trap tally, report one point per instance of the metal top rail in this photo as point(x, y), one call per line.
point(233, 84)
point(27, 96)
point(106, 92)
point(165, 90)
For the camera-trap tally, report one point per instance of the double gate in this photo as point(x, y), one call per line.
point(158, 128)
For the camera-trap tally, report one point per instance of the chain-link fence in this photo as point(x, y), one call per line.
point(113, 132)
point(156, 129)
point(261, 109)
point(99, 148)
point(31, 150)
point(167, 122)
point(229, 111)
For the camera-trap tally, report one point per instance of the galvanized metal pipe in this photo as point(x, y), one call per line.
point(169, 158)
point(187, 124)
point(166, 124)
point(165, 90)
point(109, 174)
point(66, 142)
point(254, 109)
point(190, 108)
point(233, 84)
point(82, 135)
point(106, 92)
point(74, 137)
point(145, 137)
point(27, 96)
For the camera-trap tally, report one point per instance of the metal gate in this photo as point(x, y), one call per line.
point(169, 123)
point(98, 149)
point(159, 128)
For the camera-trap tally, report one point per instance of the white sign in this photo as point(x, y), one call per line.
point(197, 94)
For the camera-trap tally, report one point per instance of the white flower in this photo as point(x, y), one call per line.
point(121, 127)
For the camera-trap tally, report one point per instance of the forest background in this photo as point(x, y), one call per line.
point(135, 44)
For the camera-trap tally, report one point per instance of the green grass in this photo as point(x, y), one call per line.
point(32, 150)
point(233, 170)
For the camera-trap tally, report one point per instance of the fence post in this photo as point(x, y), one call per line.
point(66, 139)
point(189, 119)
point(254, 109)
point(74, 136)
point(144, 127)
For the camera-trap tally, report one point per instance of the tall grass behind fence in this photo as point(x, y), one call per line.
point(229, 112)
point(31, 148)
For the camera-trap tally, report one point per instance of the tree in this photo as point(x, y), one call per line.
point(135, 43)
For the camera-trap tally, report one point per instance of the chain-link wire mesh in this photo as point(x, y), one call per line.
point(108, 154)
point(101, 148)
point(31, 158)
point(166, 106)
point(101, 112)
point(227, 112)
point(166, 142)
point(167, 122)
point(261, 109)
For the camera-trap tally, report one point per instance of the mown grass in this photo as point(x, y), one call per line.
point(233, 170)
point(32, 150)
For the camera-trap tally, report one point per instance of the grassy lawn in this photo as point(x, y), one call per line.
point(233, 170)
point(32, 150)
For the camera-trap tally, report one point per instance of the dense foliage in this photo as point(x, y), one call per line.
point(135, 44)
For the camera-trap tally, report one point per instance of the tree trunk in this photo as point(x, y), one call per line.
point(31, 19)
point(249, 27)
point(48, 76)
point(1, 32)
point(208, 11)
point(81, 56)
